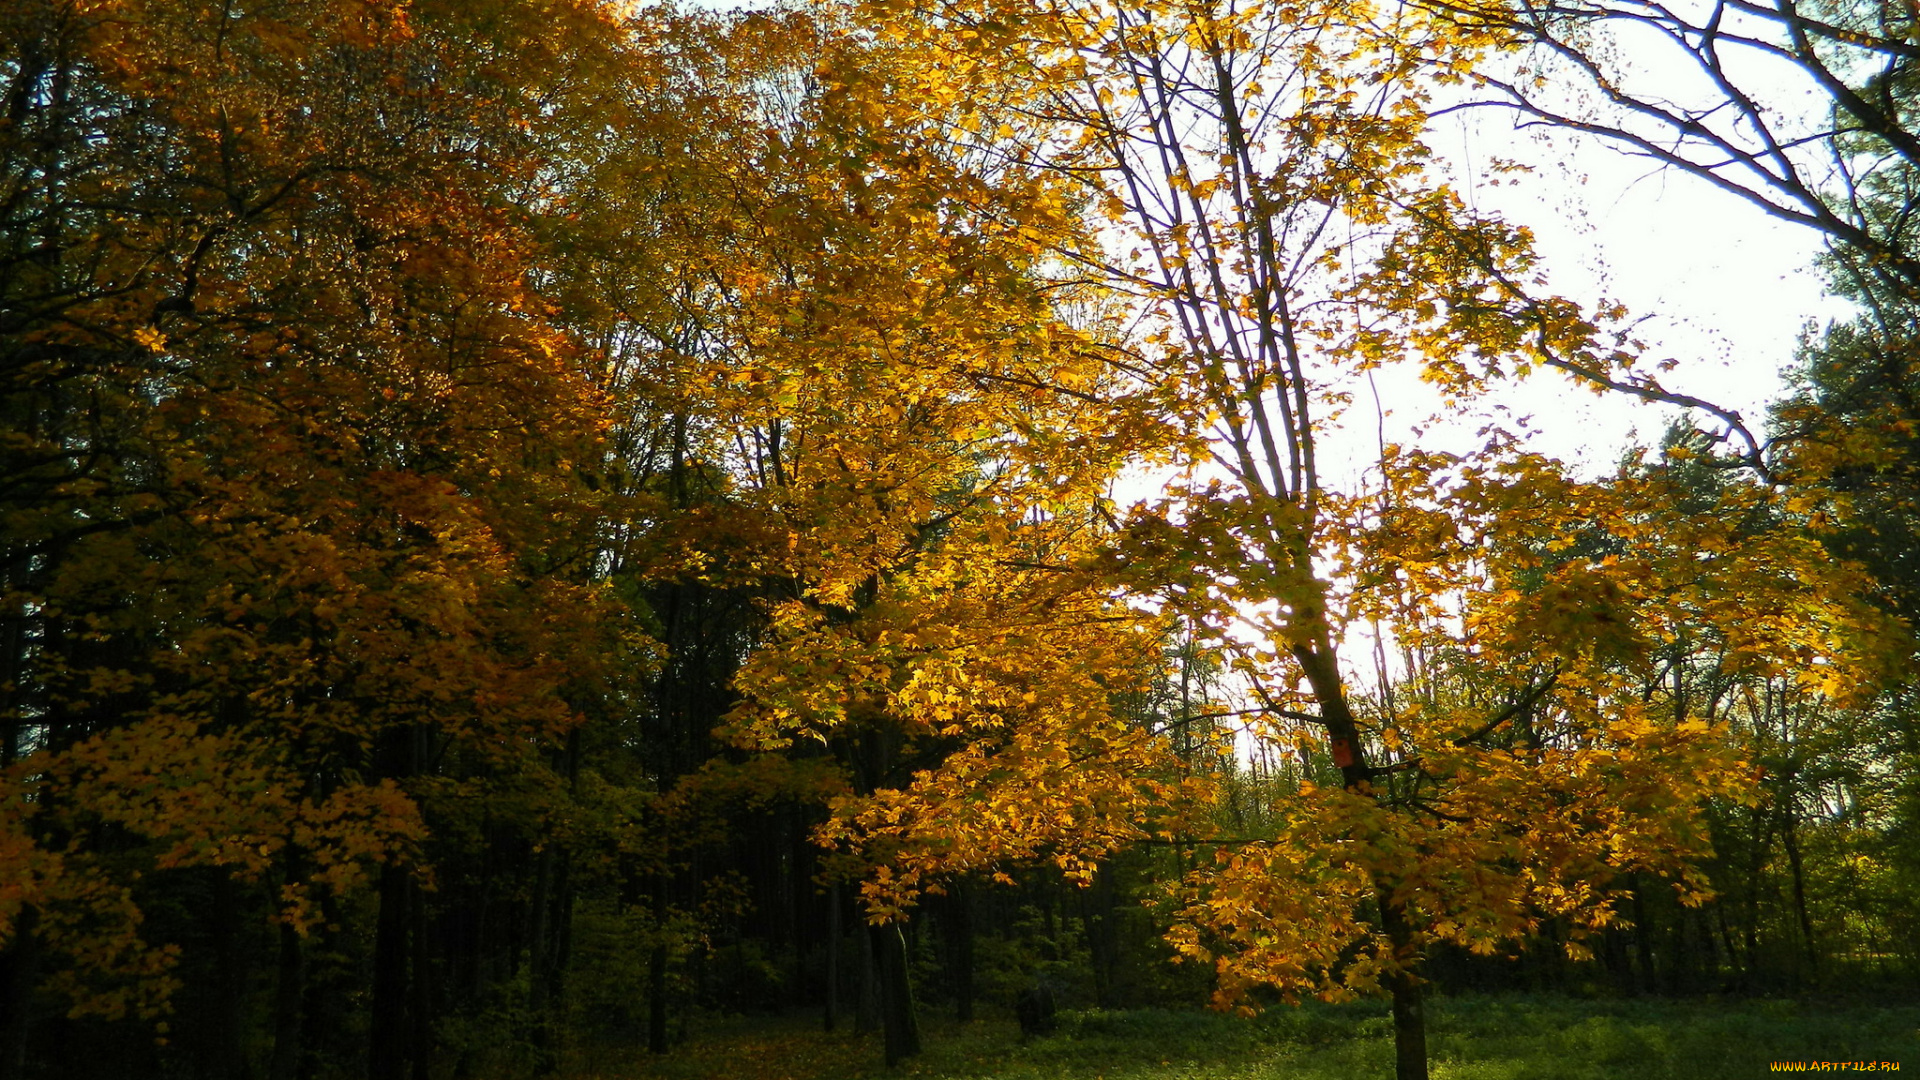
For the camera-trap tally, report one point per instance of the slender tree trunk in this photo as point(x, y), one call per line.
point(321, 1004)
point(420, 994)
point(289, 991)
point(898, 1017)
point(1318, 662)
point(657, 971)
point(1680, 967)
point(562, 940)
point(962, 901)
point(230, 991)
point(873, 757)
point(867, 1006)
point(387, 1044)
point(1726, 932)
point(19, 972)
point(1619, 964)
point(1409, 1010)
point(1096, 919)
point(19, 957)
point(1789, 835)
point(553, 930)
point(1642, 938)
point(540, 963)
point(1709, 952)
point(832, 1018)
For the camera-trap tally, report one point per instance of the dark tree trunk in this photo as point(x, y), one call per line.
point(867, 1006)
point(1642, 938)
point(289, 991)
point(326, 992)
point(19, 971)
point(1680, 966)
point(1103, 940)
point(1709, 953)
point(898, 1017)
point(1618, 964)
point(657, 972)
point(1409, 1011)
point(230, 990)
point(1789, 835)
point(962, 901)
point(420, 996)
point(832, 1017)
point(388, 1037)
point(540, 962)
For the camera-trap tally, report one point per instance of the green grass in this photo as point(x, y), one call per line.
point(1470, 1038)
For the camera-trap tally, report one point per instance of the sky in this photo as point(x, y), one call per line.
point(1708, 280)
point(1713, 282)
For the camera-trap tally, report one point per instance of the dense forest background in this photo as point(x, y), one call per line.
point(523, 522)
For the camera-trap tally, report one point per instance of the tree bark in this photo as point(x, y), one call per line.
point(230, 991)
point(657, 971)
point(1403, 982)
point(832, 1017)
point(540, 962)
point(289, 992)
point(387, 1044)
point(420, 993)
point(898, 1018)
point(867, 1005)
point(1317, 662)
point(1648, 979)
point(19, 971)
point(962, 901)
point(1789, 836)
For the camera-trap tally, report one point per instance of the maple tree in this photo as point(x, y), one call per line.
point(1804, 111)
point(1259, 174)
point(925, 440)
point(296, 434)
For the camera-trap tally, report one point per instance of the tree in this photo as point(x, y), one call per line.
point(1256, 179)
point(288, 562)
point(931, 437)
point(1720, 92)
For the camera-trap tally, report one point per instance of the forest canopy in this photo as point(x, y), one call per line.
point(523, 520)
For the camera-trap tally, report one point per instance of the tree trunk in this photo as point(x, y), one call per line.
point(1789, 835)
point(657, 971)
point(1320, 665)
point(230, 991)
point(540, 960)
point(1680, 966)
point(898, 1017)
point(420, 994)
point(289, 991)
point(387, 1044)
point(1642, 938)
point(962, 902)
point(1409, 1011)
point(867, 1005)
point(19, 972)
point(832, 1017)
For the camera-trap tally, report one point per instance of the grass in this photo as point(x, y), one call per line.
point(1469, 1038)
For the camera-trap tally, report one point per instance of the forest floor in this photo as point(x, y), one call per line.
point(1470, 1038)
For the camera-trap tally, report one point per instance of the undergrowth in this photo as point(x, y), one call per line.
point(1470, 1038)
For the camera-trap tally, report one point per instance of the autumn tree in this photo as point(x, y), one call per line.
point(1256, 178)
point(1805, 111)
point(886, 372)
point(292, 562)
